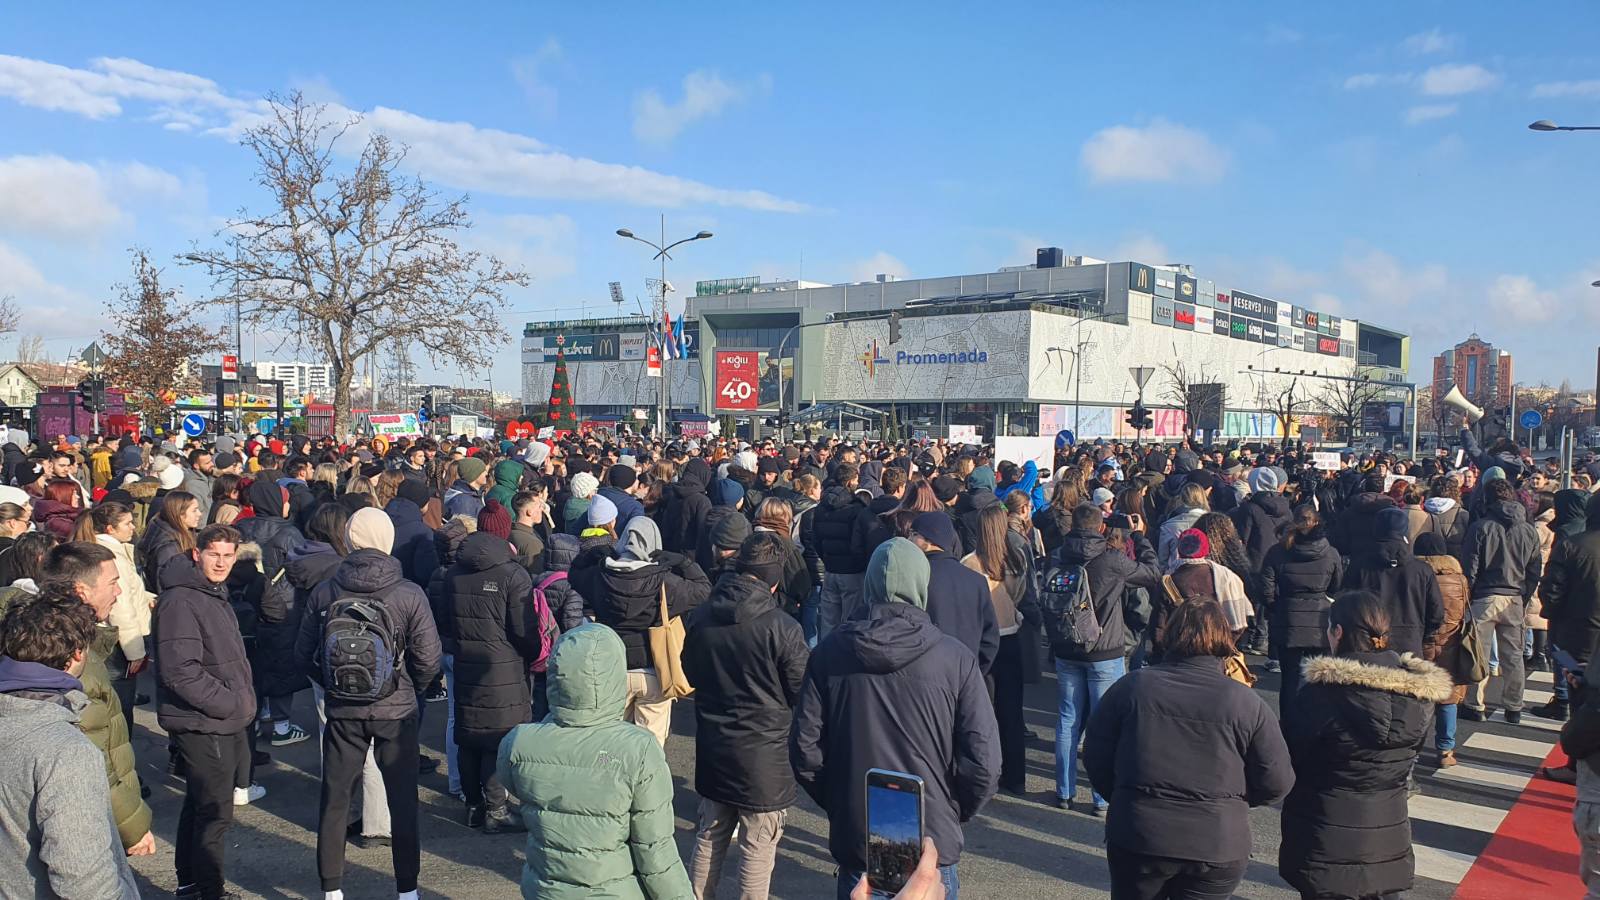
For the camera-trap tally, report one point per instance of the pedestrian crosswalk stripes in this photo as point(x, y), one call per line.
point(1500, 743)
point(1474, 816)
point(1438, 864)
point(1491, 776)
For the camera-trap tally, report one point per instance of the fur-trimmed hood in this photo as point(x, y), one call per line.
point(1414, 677)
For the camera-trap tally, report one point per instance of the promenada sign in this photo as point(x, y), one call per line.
point(873, 357)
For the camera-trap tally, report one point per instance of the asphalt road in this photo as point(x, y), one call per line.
point(1018, 847)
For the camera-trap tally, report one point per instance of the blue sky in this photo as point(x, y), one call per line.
point(1370, 160)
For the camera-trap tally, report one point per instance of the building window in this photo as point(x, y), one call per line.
point(1472, 376)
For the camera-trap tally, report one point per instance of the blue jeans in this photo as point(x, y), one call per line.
point(452, 769)
point(1558, 690)
point(808, 615)
point(1080, 685)
point(1444, 727)
point(947, 874)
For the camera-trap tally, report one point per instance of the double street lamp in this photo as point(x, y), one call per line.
point(659, 309)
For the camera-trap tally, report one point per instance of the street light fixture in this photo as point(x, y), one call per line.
point(1547, 125)
point(660, 304)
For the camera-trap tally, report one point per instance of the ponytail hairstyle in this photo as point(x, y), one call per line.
point(1307, 526)
point(1363, 620)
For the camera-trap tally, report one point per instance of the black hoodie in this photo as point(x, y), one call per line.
point(891, 691)
point(746, 658)
point(1407, 587)
point(684, 507)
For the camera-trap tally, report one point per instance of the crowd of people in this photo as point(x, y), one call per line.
point(827, 607)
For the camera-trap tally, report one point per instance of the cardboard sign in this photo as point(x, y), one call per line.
point(1042, 450)
point(964, 434)
point(1327, 462)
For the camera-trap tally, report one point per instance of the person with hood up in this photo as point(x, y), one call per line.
point(1446, 516)
point(746, 658)
point(497, 636)
point(684, 508)
point(1501, 559)
point(585, 773)
point(1356, 526)
point(625, 591)
point(727, 502)
point(1444, 649)
point(1184, 752)
point(1570, 525)
point(278, 679)
point(1083, 675)
point(387, 725)
point(1406, 585)
point(464, 496)
point(1362, 714)
point(413, 539)
point(56, 829)
point(507, 481)
point(978, 494)
point(574, 513)
point(840, 525)
point(1299, 577)
point(891, 691)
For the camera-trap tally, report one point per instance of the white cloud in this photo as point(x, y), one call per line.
point(1457, 78)
point(1431, 41)
point(1428, 112)
point(1520, 299)
point(546, 247)
point(1146, 248)
point(1383, 280)
point(1587, 89)
point(1160, 151)
point(456, 153)
point(54, 197)
point(705, 94)
point(532, 76)
point(47, 308)
point(880, 263)
point(1366, 80)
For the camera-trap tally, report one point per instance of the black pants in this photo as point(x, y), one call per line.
point(1135, 876)
point(211, 760)
point(1005, 685)
point(344, 751)
point(478, 781)
point(1290, 658)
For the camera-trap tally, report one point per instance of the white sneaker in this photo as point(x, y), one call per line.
point(249, 795)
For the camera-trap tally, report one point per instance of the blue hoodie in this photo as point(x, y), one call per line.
point(1028, 484)
point(36, 677)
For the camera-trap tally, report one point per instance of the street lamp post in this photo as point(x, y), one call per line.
point(1547, 125)
point(1077, 364)
point(659, 308)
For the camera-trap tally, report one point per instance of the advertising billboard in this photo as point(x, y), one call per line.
point(738, 380)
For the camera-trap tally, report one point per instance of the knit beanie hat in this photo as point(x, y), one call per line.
point(1193, 544)
point(730, 533)
point(584, 485)
point(1391, 524)
point(746, 460)
point(495, 519)
point(171, 477)
point(415, 490)
point(945, 488)
point(470, 469)
point(621, 476)
point(536, 454)
point(750, 561)
point(601, 511)
point(1263, 480)
point(726, 492)
point(370, 529)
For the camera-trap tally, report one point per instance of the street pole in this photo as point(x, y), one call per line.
point(663, 397)
point(1077, 364)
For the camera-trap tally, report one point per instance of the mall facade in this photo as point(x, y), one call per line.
point(1026, 350)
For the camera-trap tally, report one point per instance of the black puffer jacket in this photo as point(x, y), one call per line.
point(283, 604)
point(1407, 587)
point(376, 575)
point(625, 595)
point(1297, 586)
point(158, 546)
point(204, 680)
point(1111, 573)
point(1053, 525)
point(1500, 555)
point(1357, 523)
point(1183, 752)
point(840, 524)
point(1571, 588)
point(1262, 520)
point(746, 659)
point(447, 543)
point(275, 536)
point(1358, 724)
point(485, 596)
point(565, 602)
point(684, 507)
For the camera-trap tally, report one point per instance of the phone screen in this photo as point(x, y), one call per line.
point(894, 829)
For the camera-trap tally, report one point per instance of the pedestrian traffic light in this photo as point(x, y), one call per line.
point(425, 411)
point(894, 327)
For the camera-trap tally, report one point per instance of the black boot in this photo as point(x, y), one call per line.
point(475, 816)
point(1555, 709)
point(1540, 660)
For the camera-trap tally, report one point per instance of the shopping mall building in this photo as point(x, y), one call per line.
point(1025, 350)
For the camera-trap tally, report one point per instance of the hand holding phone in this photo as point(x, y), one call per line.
point(925, 883)
point(894, 830)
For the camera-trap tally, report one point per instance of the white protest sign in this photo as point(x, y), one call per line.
point(963, 434)
point(1327, 462)
point(1042, 450)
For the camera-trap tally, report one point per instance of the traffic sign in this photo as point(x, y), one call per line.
point(266, 426)
point(1141, 375)
point(230, 366)
point(194, 424)
point(93, 357)
point(1064, 438)
point(1530, 419)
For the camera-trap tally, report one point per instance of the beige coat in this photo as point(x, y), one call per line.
point(130, 615)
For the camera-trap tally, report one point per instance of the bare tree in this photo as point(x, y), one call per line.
point(30, 349)
point(1188, 389)
point(154, 343)
point(1344, 401)
point(347, 262)
point(1286, 398)
point(10, 316)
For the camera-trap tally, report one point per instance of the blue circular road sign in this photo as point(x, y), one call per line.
point(1530, 419)
point(194, 424)
point(1064, 438)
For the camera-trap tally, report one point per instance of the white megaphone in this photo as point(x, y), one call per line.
point(1454, 398)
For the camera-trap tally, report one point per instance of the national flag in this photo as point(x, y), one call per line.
point(668, 345)
point(677, 338)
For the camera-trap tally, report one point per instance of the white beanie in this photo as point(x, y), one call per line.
point(370, 529)
point(171, 477)
point(159, 463)
point(746, 460)
point(584, 485)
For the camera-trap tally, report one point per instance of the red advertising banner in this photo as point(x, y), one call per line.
point(738, 379)
point(230, 366)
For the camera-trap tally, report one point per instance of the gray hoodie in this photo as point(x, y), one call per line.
point(57, 836)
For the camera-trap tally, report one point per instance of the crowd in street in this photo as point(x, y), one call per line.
point(827, 608)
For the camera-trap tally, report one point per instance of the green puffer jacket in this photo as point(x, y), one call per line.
point(507, 479)
point(102, 722)
point(601, 784)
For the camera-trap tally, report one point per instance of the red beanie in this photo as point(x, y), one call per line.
point(495, 519)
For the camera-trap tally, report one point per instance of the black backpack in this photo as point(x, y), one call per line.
point(1068, 605)
point(360, 652)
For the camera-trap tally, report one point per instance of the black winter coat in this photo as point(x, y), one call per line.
point(1183, 752)
point(746, 658)
point(413, 541)
point(840, 524)
point(155, 549)
point(275, 536)
point(563, 598)
point(966, 512)
point(1262, 520)
point(204, 683)
point(1053, 525)
point(1500, 555)
point(684, 507)
point(485, 595)
point(1571, 592)
point(369, 573)
point(282, 606)
point(960, 605)
point(1297, 587)
point(1358, 723)
point(1407, 586)
point(1111, 573)
point(1354, 529)
point(892, 691)
point(625, 595)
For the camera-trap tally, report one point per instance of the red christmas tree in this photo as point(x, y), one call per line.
point(561, 409)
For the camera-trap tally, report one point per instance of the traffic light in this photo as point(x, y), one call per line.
point(1139, 418)
point(894, 327)
point(92, 394)
point(425, 411)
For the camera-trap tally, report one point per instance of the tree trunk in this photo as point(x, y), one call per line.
point(342, 376)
